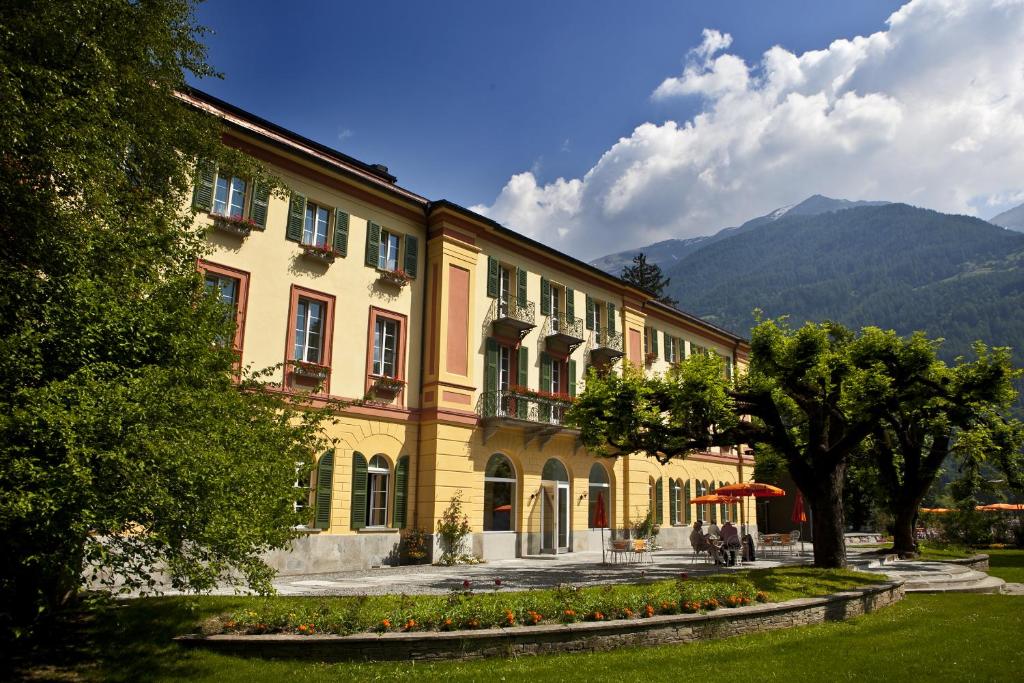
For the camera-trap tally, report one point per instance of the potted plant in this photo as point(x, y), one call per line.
point(397, 277)
point(323, 254)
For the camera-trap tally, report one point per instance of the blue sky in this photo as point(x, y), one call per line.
point(457, 98)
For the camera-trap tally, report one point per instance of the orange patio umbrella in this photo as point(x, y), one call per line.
point(1002, 507)
point(935, 510)
point(750, 488)
point(713, 499)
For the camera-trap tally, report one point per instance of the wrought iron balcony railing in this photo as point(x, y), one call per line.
point(606, 339)
point(512, 311)
point(564, 326)
point(518, 405)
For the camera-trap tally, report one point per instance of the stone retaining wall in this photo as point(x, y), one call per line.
point(978, 562)
point(580, 637)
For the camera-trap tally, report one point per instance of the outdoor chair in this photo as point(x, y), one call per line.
point(794, 538)
point(619, 550)
point(785, 543)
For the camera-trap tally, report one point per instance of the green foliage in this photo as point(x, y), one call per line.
point(453, 529)
point(668, 416)
point(125, 443)
point(413, 545)
point(648, 276)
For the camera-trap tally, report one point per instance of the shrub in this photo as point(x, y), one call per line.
point(453, 529)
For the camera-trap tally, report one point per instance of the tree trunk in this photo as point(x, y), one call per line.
point(903, 540)
point(829, 524)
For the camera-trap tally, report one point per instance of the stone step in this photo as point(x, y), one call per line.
point(989, 584)
point(940, 577)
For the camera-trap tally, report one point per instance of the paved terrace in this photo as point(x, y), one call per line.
point(582, 568)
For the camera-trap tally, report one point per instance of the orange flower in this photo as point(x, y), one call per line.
point(386, 623)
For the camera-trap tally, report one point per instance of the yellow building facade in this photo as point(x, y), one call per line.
point(456, 345)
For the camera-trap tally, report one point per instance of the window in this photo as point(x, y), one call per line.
point(676, 494)
point(229, 196)
point(377, 492)
point(554, 297)
point(670, 349)
point(314, 228)
point(594, 316)
point(385, 353)
point(504, 286)
point(598, 497)
point(504, 368)
point(301, 484)
point(499, 494)
point(230, 286)
point(385, 348)
point(702, 489)
point(387, 257)
point(309, 326)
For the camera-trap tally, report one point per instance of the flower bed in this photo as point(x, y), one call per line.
point(495, 606)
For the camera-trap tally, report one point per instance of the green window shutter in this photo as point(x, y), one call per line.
point(545, 372)
point(372, 243)
point(659, 499)
point(296, 218)
point(202, 194)
point(341, 233)
point(258, 204)
point(523, 380)
point(611, 318)
point(521, 288)
point(324, 485)
point(590, 313)
point(572, 378)
point(492, 277)
point(723, 508)
point(570, 303)
point(735, 512)
point(545, 296)
point(654, 342)
point(401, 492)
point(358, 491)
point(412, 254)
point(687, 512)
point(673, 500)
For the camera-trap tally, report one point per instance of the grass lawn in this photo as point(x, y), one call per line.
point(1007, 564)
point(956, 637)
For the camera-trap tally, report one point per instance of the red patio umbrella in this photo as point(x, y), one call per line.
point(800, 516)
point(601, 521)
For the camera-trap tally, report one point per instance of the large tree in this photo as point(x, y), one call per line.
point(648, 276)
point(956, 414)
point(126, 440)
point(811, 398)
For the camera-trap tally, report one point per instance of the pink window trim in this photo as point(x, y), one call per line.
point(289, 347)
point(243, 299)
point(402, 321)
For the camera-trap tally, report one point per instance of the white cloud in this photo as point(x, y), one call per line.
point(929, 111)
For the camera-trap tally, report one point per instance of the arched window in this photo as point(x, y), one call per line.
point(499, 494)
point(687, 512)
point(377, 491)
point(599, 497)
point(554, 471)
point(702, 510)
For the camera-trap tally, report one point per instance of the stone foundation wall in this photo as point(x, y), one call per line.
point(978, 562)
point(580, 637)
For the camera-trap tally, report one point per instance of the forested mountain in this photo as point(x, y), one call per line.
point(893, 266)
point(668, 253)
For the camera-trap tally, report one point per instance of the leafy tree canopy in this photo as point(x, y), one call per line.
point(124, 440)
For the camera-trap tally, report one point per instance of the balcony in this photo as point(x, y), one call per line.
point(510, 320)
point(563, 334)
point(540, 417)
point(605, 346)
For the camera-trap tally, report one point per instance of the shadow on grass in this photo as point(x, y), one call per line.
point(120, 641)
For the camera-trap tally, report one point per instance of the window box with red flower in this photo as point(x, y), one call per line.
point(320, 254)
point(234, 225)
point(310, 370)
point(397, 277)
point(387, 387)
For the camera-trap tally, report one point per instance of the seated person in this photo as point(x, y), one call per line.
point(730, 541)
point(700, 542)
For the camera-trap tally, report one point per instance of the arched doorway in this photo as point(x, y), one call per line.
point(554, 510)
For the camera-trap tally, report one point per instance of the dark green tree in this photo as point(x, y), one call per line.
point(648, 276)
point(125, 440)
point(960, 413)
point(813, 396)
